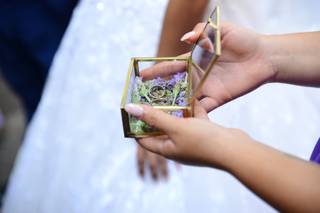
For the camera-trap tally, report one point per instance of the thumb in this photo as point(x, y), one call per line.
point(154, 117)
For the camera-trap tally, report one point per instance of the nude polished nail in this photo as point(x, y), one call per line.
point(134, 110)
point(187, 35)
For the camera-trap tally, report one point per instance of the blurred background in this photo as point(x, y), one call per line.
point(30, 33)
point(12, 126)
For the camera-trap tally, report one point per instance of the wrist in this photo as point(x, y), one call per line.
point(271, 56)
point(230, 149)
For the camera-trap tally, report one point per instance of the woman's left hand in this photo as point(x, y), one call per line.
point(147, 160)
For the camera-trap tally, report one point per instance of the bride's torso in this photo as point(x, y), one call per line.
point(74, 157)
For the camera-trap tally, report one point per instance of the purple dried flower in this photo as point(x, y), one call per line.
point(178, 113)
point(172, 82)
point(182, 94)
point(176, 78)
point(179, 76)
point(181, 102)
point(159, 81)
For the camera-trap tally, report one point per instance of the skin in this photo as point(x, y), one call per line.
point(180, 17)
point(287, 183)
point(154, 162)
point(245, 64)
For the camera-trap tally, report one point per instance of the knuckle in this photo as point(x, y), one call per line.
point(167, 149)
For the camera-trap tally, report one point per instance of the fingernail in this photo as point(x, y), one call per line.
point(187, 35)
point(134, 110)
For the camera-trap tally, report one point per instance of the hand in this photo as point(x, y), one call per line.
point(243, 66)
point(156, 163)
point(193, 141)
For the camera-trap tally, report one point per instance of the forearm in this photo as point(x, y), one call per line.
point(181, 16)
point(295, 57)
point(285, 182)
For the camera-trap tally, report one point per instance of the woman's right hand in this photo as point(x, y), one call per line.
point(243, 66)
point(193, 141)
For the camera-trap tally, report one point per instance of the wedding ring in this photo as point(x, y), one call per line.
point(157, 92)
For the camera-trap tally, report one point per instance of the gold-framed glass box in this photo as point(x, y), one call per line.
point(174, 94)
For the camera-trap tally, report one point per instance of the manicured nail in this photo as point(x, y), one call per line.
point(134, 110)
point(187, 35)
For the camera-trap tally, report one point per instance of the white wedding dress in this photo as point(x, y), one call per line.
point(75, 158)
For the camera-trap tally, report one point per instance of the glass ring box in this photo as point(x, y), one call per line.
point(174, 94)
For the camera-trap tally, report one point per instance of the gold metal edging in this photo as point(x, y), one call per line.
point(134, 66)
point(126, 86)
point(124, 114)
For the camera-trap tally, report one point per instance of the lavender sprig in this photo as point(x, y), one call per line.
point(144, 91)
point(175, 91)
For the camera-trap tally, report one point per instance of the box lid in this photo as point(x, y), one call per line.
point(206, 51)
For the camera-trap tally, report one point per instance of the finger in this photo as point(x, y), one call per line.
point(153, 165)
point(193, 36)
point(140, 160)
point(154, 117)
point(209, 104)
point(163, 69)
point(206, 44)
point(164, 147)
point(199, 111)
point(163, 166)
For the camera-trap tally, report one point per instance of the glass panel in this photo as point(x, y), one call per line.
point(170, 90)
point(214, 16)
point(204, 51)
point(130, 86)
point(169, 93)
point(139, 127)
